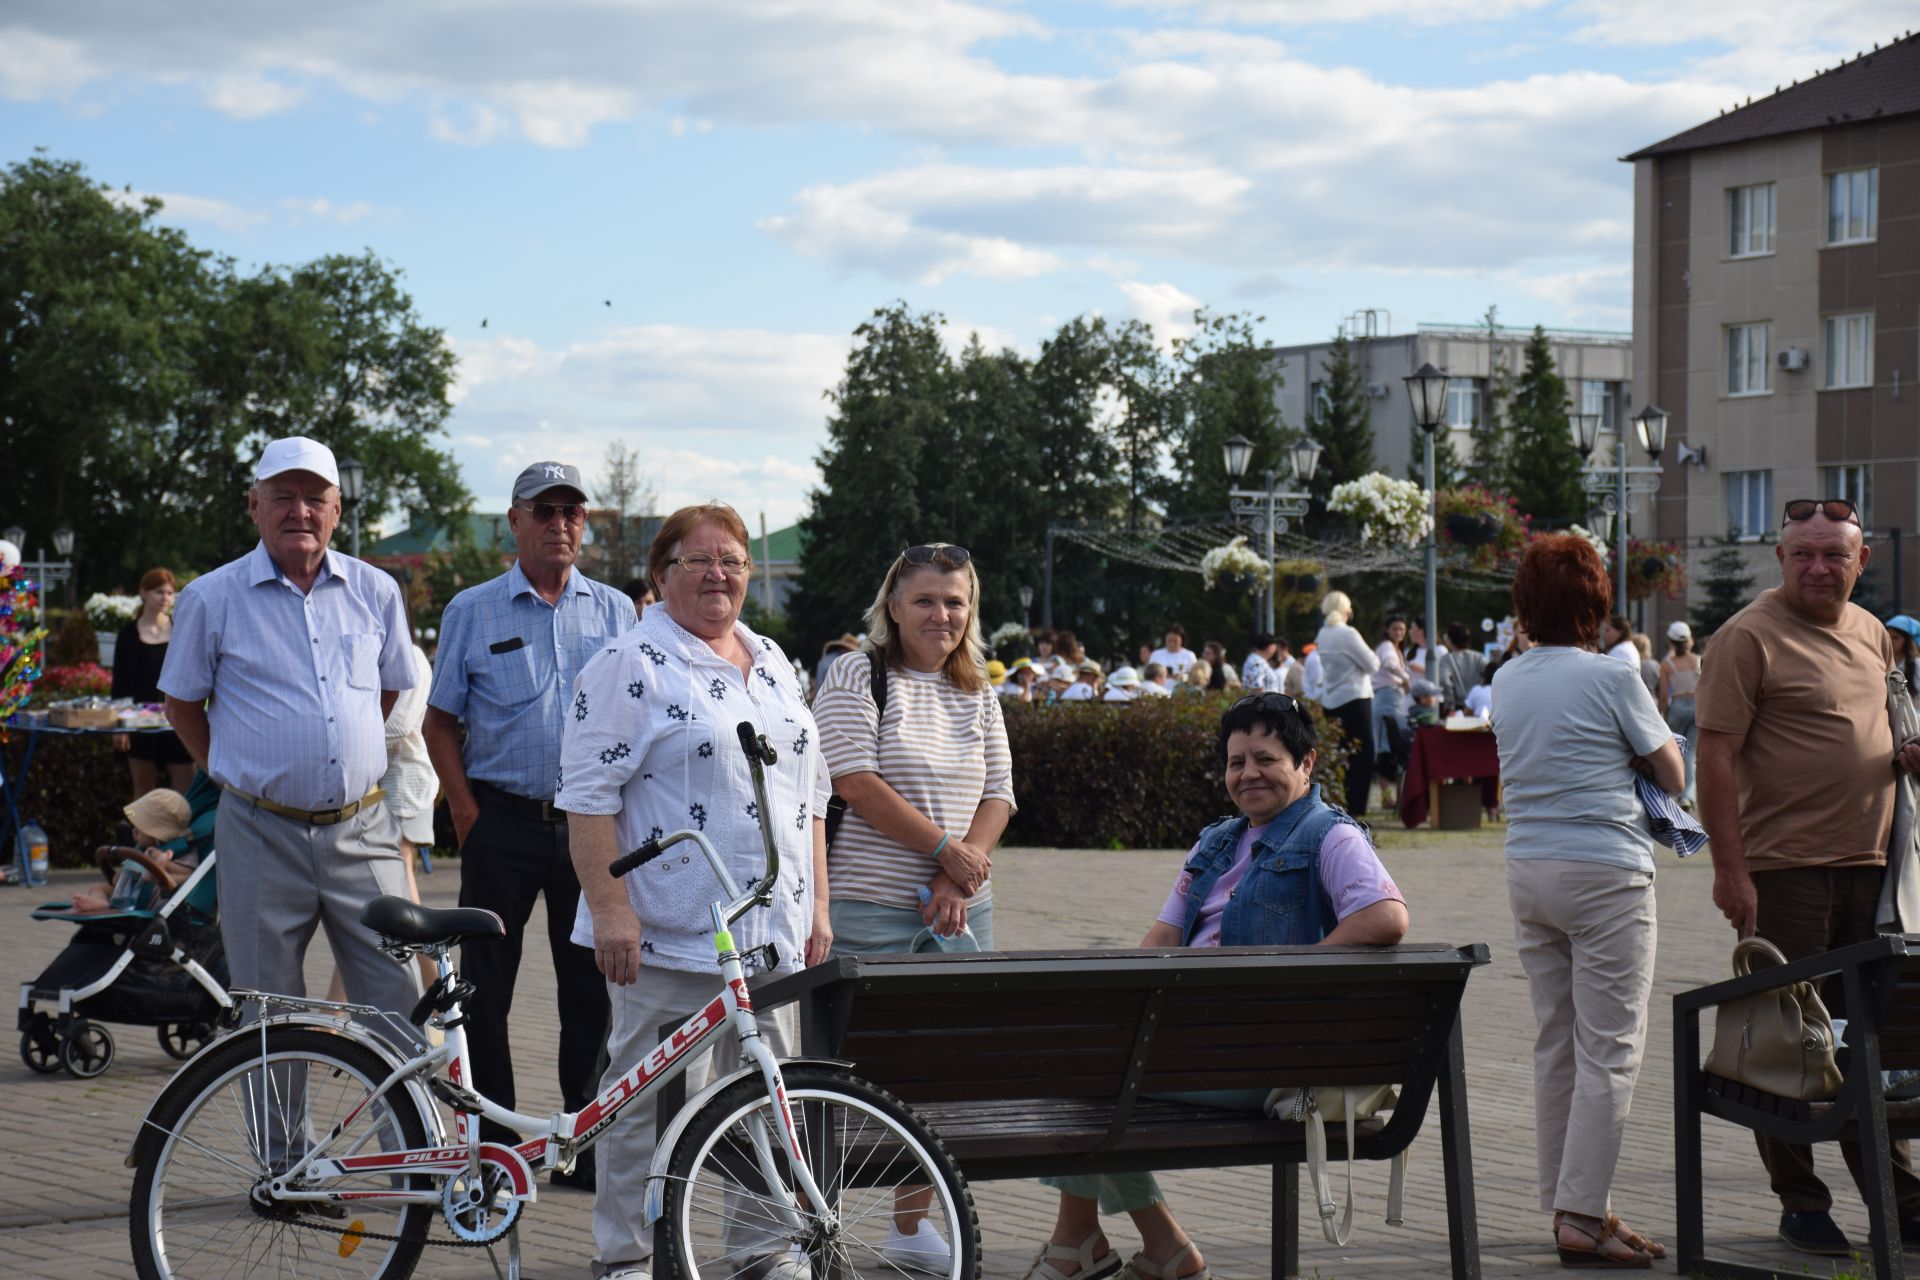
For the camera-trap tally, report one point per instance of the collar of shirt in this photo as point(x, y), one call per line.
point(262, 567)
point(518, 585)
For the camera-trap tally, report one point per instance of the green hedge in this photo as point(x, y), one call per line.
point(75, 790)
point(1138, 775)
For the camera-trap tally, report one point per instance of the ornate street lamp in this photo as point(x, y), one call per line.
point(1651, 426)
point(1427, 389)
point(63, 542)
point(1026, 607)
point(352, 473)
point(1306, 461)
point(1238, 452)
point(1586, 432)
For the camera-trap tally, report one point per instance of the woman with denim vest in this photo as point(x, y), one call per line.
point(1290, 869)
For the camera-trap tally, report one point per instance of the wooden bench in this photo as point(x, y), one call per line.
point(1881, 981)
point(1043, 1062)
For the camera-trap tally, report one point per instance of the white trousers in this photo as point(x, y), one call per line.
point(1585, 933)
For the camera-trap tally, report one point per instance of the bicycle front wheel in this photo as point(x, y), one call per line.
point(200, 1206)
point(896, 1204)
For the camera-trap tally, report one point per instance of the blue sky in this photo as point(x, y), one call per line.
point(746, 181)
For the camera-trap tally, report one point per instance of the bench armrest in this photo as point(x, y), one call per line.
point(1885, 947)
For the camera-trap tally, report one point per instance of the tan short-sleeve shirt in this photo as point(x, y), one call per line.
point(1816, 767)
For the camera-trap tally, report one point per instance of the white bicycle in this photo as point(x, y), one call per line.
point(306, 1143)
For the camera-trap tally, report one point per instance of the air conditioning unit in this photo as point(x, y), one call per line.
point(1376, 391)
point(1792, 359)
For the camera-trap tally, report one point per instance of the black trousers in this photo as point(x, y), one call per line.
point(510, 858)
point(1356, 717)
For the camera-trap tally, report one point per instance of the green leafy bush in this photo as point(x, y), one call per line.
point(1138, 775)
point(75, 790)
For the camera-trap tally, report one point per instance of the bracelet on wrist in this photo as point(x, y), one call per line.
point(944, 837)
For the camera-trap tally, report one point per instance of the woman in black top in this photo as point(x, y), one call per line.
point(138, 655)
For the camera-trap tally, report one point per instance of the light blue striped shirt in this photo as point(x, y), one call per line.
point(294, 678)
point(506, 665)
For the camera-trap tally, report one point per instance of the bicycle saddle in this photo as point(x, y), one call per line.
point(405, 921)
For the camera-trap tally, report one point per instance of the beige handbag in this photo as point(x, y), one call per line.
point(1313, 1108)
point(1780, 1041)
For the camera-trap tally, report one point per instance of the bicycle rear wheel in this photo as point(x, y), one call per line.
point(732, 1207)
point(200, 1209)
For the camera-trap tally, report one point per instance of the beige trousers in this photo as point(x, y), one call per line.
point(1585, 933)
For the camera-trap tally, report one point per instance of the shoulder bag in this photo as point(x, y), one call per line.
point(1779, 1041)
point(836, 807)
point(1313, 1107)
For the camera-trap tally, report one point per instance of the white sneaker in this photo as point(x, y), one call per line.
point(925, 1250)
point(629, 1273)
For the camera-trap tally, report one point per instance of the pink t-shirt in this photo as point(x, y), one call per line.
point(1350, 872)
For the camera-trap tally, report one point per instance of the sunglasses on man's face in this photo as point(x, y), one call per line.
point(544, 512)
point(946, 553)
point(1838, 510)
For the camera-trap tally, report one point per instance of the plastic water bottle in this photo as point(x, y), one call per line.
point(961, 941)
point(33, 852)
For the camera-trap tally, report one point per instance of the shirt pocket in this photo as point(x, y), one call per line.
point(362, 655)
point(1278, 882)
point(509, 676)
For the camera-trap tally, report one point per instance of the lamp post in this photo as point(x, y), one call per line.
point(1270, 509)
point(352, 472)
point(63, 547)
point(1427, 388)
point(43, 570)
point(1620, 492)
point(1026, 608)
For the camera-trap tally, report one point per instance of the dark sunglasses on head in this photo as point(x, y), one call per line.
point(1835, 509)
point(544, 512)
point(948, 554)
point(1270, 701)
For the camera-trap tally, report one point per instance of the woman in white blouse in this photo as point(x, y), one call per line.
point(1346, 691)
point(649, 747)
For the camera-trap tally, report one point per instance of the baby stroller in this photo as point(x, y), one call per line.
point(153, 959)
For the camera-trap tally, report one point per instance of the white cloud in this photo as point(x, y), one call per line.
point(1300, 13)
point(34, 67)
point(1165, 307)
point(251, 96)
point(325, 210)
point(223, 214)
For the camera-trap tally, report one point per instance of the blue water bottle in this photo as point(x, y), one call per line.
point(928, 940)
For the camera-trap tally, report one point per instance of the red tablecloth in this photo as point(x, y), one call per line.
point(1444, 755)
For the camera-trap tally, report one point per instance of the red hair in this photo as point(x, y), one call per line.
point(155, 578)
point(1562, 593)
point(683, 522)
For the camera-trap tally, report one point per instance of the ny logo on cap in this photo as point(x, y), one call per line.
point(556, 472)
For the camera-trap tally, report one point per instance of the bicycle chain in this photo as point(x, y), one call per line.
point(306, 1222)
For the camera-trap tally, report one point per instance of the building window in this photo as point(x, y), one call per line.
point(1746, 359)
point(1602, 398)
point(1749, 503)
point(1320, 404)
point(1463, 403)
point(1750, 220)
point(1854, 483)
point(1853, 205)
point(1850, 350)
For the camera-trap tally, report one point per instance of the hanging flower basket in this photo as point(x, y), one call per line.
point(1477, 529)
point(1482, 527)
point(1387, 510)
point(1654, 568)
point(1235, 566)
point(1299, 586)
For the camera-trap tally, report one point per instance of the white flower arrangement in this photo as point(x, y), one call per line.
point(1234, 560)
point(1389, 510)
point(111, 612)
point(1593, 539)
point(1006, 633)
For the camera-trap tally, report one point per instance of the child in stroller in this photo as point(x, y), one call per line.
point(147, 952)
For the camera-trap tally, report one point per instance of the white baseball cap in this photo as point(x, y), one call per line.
point(1679, 631)
point(297, 453)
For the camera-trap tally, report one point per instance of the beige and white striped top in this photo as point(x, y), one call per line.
point(943, 750)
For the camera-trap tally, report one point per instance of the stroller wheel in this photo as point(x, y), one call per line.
point(182, 1040)
point(87, 1050)
point(40, 1047)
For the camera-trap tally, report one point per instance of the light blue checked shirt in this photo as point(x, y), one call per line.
point(1671, 825)
point(506, 666)
point(294, 679)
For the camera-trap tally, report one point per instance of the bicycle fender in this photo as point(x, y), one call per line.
point(429, 1111)
point(654, 1203)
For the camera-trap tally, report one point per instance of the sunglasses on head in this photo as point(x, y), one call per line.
point(1270, 701)
point(544, 512)
point(946, 553)
point(1835, 509)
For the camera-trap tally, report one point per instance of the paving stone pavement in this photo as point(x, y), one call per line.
point(62, 1140)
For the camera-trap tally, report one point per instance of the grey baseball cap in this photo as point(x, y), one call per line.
point(542, 476)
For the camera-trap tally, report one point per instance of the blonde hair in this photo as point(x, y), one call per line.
point(1200, 674)
point(966, 667)
point(1335, 605)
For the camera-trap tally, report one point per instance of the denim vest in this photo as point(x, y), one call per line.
point(1281, 899)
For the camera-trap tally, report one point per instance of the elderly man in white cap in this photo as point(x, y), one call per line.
point(283, 666)
point(509, 651)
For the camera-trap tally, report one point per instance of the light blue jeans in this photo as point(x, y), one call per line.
point(867, 927)
point(1131, 1192)
point(1680, 720)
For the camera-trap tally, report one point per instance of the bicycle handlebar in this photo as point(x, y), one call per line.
point(638, 858)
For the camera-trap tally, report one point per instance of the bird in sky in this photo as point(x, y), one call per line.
point(483, 322)
point(608, 302)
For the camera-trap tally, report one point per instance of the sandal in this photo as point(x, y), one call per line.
point(1091, 1268)
point(1596, 1257)
point(1633, 1239)
point(1144, 1268)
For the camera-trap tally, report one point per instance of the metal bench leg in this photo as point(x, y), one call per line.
point(1286, 1219)
point(1870, 1112)
point(1690, 1208)
point(1456, 1158)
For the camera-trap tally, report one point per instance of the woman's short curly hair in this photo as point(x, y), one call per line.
point(1562, 592)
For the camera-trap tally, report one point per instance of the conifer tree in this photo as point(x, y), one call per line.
point(1543, 467)
point(1342, 422)
point(1726, 587)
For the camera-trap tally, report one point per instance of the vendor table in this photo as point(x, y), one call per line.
point(1445, 755)
point(11, 789)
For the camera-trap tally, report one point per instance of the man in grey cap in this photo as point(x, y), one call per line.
point(281, 672)
point(509, 651)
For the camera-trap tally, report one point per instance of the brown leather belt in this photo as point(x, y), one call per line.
point(313, 817)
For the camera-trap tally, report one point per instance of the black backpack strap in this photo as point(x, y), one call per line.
point(878, 662)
